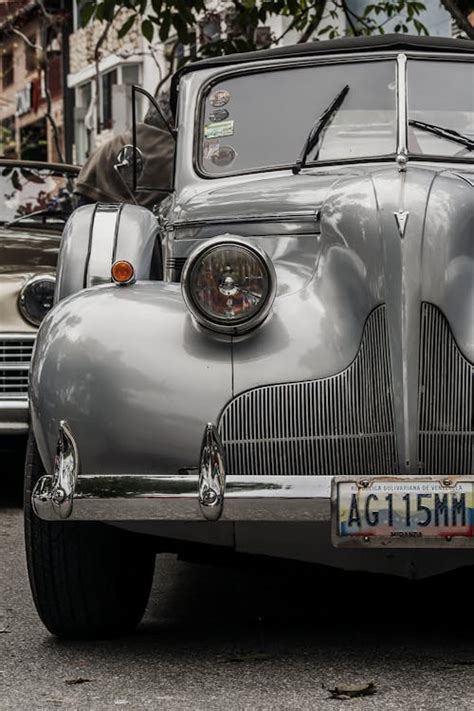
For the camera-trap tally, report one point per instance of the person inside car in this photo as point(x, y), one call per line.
point(99, 181)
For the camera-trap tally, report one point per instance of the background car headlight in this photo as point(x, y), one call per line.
point(228, 284)
point(36, 297)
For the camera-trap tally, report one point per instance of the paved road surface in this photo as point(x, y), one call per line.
point(263, 637)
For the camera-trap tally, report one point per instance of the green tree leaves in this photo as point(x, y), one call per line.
point(182, 20)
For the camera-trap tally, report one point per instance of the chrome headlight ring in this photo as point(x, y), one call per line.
point(31, 311)
point(229, 284)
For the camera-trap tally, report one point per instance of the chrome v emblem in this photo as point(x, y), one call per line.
point(402, 218)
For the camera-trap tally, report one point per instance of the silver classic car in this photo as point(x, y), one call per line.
point(35, 202)
point(279, 359)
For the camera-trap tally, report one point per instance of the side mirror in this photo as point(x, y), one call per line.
point(129, 165)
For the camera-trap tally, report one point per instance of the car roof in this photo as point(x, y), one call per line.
point(382, 43)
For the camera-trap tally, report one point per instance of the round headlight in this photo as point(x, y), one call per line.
point(228, 284)
point(36, 297)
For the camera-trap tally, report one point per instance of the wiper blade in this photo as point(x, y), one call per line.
point(318, 127)
point(449, 133)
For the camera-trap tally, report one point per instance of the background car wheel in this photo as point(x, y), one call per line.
point(88, 580)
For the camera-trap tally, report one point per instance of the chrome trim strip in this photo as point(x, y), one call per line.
point(14, 415)
point(102, 243)
point(402, 114)
point(15, 404)
point(303, 216)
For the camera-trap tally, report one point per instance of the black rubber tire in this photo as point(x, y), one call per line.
point(89, 580)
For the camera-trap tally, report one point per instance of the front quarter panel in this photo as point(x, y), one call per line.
point(133, 377)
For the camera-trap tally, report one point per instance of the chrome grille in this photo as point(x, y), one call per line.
point(15, 359)
point(338, 425)
point(445, 407)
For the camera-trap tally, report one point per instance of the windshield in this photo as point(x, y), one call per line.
point(442, 94)
point(261, 120)
point(28, 189)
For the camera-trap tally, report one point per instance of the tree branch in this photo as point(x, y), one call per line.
point(314, 21)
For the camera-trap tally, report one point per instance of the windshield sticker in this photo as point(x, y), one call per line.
point(220, 97)
point(218, 115)
point(217, 130)
point(223, 156)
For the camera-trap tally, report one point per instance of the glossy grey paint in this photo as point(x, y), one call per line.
point(104, 362)
point(147, 358)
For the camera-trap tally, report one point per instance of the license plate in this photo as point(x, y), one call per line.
point(403, 511)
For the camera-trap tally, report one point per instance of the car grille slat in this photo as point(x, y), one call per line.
point(446, 395)
point(338, 425)
point(176, 265)
point(15, 359)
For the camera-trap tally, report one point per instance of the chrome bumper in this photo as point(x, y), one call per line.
point(176, 498)
point(200, 494)
point(14, 416)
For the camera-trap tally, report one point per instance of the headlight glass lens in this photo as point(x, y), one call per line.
point(36, 298)
point(229, 283)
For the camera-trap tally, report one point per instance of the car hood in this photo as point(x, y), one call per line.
point(269, 197)
point(27, 250)
point(381, 231)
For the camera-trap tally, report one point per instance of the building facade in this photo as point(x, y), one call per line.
point(32, 70)
point(101, 74)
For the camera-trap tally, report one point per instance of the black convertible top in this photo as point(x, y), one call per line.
point(395, 42)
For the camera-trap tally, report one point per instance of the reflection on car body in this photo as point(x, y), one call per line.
point(300, 383)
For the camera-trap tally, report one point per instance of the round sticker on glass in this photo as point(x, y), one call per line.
point(218, 115)
point(220, 97)
point(224, 156)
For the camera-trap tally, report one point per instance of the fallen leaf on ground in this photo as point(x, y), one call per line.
point(352, 692)
point(79, 680)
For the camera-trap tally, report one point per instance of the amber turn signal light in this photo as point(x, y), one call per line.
point(123, 272)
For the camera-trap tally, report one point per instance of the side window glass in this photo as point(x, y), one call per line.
point(154, 142)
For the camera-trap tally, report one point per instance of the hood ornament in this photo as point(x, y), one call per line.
point(402, 218)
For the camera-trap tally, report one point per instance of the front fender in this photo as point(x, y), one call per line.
point(97, 235)
point(133, 377)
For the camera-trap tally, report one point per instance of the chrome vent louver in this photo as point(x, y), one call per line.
point(343, 424)
point(445, 406)
point(175, 265)
point(15, 359)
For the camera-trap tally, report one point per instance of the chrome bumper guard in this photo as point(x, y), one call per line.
point(204, 493)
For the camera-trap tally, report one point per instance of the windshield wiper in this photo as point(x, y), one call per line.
point(318, 127)
point(449, 133)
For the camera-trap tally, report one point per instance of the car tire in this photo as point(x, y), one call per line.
point(89, 580)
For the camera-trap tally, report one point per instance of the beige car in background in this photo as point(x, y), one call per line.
point(35, 202)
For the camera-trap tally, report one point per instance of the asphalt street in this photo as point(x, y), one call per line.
point(262, 635)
